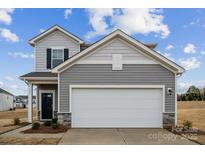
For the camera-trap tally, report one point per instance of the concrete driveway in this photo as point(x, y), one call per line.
point(122, 136)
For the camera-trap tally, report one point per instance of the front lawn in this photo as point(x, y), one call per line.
point(7, 119)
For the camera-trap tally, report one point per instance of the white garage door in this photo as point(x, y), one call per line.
point(116, 108)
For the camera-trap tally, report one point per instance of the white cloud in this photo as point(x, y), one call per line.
point(97, 21)
point(42, 30)
point(190, 63)
point(168, 55)
point(202, 52)
point(132, 21)
point(67, 13)
point(8, 78)
point(190, 48)
point(14, 86)
point(17, 87)
point(169, 47)
point(183, 86)
point(1, 84)
point(8, 35)
point(142, 21)
point(21, 55)
point(5, 16)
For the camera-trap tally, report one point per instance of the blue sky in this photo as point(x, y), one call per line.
point(178, 32)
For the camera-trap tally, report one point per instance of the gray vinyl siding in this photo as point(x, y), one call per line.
point(118, 46)
point(56, 39)
point(50, 87)
point(140, 74)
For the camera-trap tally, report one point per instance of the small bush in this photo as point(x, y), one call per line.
point(55, 125)
point(47, 123)
point(16, 121)
point(35, 125)
point(54, 120)
point(187, 124)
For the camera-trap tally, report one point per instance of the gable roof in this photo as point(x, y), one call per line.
point(50, 30)
point(5, 92)
point(172, 66)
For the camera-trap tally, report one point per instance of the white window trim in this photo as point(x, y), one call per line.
point(40, 103)
point(56, 48)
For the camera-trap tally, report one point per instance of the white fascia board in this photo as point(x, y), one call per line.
point(181, 70)
point(118, 86)
point(39, 78)
point(32, 41)
point(128, 38)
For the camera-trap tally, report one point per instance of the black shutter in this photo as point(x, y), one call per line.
point(66, 54)
point(48, 58)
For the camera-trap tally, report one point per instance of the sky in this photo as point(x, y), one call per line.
point(179, 34)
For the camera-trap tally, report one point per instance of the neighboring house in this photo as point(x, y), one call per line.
point(6, 100)
point(22, 101)
point(115, 82)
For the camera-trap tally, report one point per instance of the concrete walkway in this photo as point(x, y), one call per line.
point(122, 136)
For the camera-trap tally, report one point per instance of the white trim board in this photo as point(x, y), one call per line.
point(118, 87)
point(118, 33)
point(56, 27)
point(40, 103)
point(175, 93)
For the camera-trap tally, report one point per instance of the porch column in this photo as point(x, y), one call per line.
point(37, 103)
point(30, 102)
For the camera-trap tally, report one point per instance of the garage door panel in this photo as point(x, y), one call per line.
point(127, 108)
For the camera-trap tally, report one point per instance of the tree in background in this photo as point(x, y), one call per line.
point(203, 93)
point(192, 94)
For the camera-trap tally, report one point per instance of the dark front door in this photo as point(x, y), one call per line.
point(47, 105)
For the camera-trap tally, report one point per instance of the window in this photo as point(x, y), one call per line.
point(57, 57)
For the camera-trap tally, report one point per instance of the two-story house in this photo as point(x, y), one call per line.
point(116, 82)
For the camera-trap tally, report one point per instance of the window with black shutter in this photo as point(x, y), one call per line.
point(66, 54)
point(49, 58)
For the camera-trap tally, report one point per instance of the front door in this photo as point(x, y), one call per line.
point(46, 106)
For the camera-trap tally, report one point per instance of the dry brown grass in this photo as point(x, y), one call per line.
point(18, 113)
point(193, 111)
point(6, 118)
point(28, 141)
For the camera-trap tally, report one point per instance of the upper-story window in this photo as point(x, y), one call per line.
point(57, 57)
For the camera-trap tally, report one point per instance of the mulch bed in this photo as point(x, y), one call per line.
point(191, 134)
point(47, 129)
point(181, 131)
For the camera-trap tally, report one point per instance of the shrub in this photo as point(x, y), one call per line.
point(47, 123)
point(187, 124)
point(35, 125)
point(54, 120)
point(55, 125)
point(16, 121)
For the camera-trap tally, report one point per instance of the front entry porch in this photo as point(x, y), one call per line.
point(46, 101)
point(46, 91)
